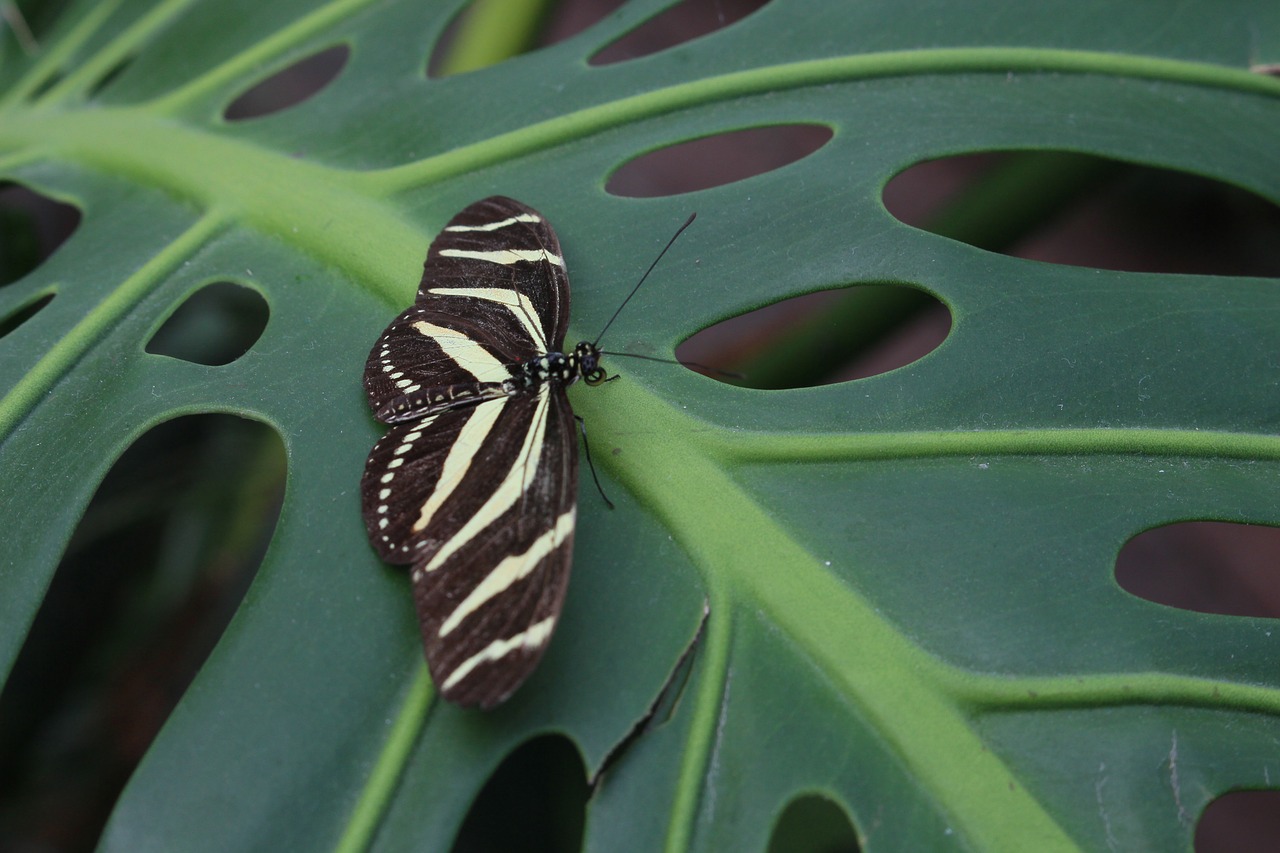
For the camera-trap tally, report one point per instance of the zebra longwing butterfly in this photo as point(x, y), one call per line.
point(475, 482)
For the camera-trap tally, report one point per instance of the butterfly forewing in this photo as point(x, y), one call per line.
point(500, 244)
point(476, 487)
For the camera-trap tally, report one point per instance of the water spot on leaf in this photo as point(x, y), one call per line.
point(536, 800)
point(150, 579)
point(822, 338)
point(1205, 566)
point(713, 161)
point(1082, 210)
point(1240, 822)
point(215, 325)
point(32, 227)
point(23, 314)
point(813, 824)
point(678, 24)
point(290, 86)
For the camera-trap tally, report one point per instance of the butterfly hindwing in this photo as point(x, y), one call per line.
point(488, 608)
point(400, 475)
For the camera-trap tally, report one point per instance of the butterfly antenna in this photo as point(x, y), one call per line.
point(730, 374)
point(679, 231)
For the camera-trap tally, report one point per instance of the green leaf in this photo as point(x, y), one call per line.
point(907, 580)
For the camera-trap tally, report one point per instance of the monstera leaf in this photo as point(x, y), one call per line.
point(895, 594)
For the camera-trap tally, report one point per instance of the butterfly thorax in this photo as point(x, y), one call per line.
point(557, 367)
point(526, 377)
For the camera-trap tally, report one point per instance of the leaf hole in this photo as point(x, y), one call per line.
point(110, 77)
point(24, 313)
point(713, 161)
point(51, 79)
point(822, 338)
point(1206, 566)
point(215, 325)
point(1083, 210)
point(30, 24)
point(535, 801)
point(289, 86)
point(1240, 822)
point(487, 32)
point(813, 824)
point(676, 25)
point(32, 227)
point(149, 581)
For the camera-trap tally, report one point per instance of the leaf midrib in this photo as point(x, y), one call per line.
point(893, 682)
point(375, 243)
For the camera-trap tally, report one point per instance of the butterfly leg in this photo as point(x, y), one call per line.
point(586, 447)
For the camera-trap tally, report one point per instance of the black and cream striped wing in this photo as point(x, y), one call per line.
point(483, 506)
point(501, 252)
point(494, 292)
point(479, 497)
point(488, 602)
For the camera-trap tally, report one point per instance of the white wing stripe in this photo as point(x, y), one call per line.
point(535, 636)
point(494, 226)
point(509, 571)
point(466, 353)
point(506, 257)
point(516, 302)
point(465, 448)
point(509, 490)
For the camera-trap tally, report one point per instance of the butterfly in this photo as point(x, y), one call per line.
point(474, 484)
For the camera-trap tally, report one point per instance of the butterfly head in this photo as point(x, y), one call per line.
point(588, 358)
